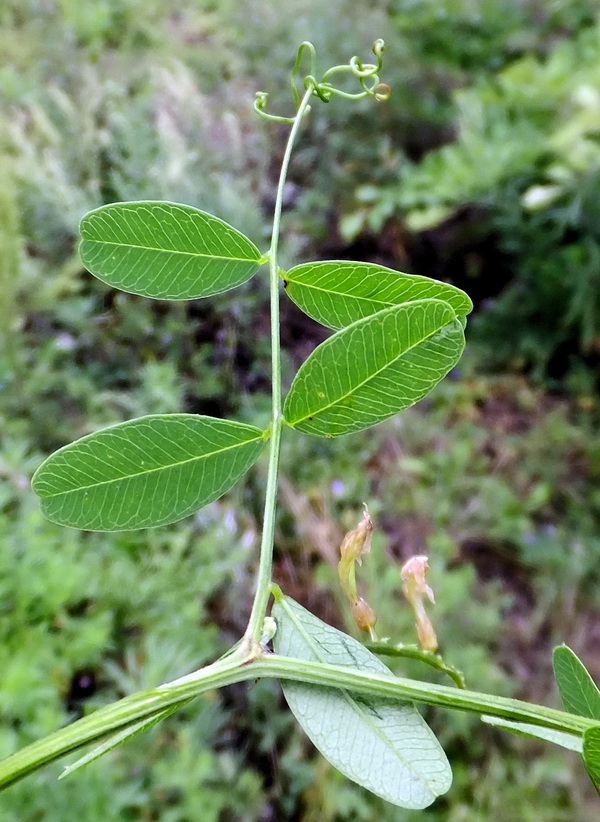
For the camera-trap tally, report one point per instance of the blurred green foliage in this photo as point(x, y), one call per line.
point(499, 483)
point(515, 197)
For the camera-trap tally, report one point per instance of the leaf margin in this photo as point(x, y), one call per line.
point(306, 422)
point(302, 292)
point(44, 472)
point(90, 219)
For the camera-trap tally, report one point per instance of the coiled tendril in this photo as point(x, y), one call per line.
point(367, 75)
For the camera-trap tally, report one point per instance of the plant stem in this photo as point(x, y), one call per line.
point(442, 696)
point(244, 665)
point(414, 652)
point(263, 581)
point(116, 716)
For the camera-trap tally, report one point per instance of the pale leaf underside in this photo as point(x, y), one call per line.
point(382, 744)
point(571, 742)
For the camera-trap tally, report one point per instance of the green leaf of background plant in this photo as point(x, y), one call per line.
point(374, 368)
point(339, 292)
point(165, 250)
point(145, 472)
point(382, 744)
point(591, 755)
point(571, 742)
point(577, 689)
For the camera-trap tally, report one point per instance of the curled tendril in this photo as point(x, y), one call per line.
point(306, 46)
point(367, 75)
point(259, 107)
point(382, 92)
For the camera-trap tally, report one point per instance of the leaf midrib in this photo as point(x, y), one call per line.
point(354, 705)
point(358, 298)
point(375, 373)
point(151, 470)
point(173, 251)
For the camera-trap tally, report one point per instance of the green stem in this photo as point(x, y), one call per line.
point(442, 696)
point(248, 665)
point(414, 652)
point(117, 716)
point(263, 581)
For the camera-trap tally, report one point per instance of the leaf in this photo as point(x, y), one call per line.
point(118, 739)
point(339, 292)
point(382, 744)
point(572, 742)
point(591, 755)
point(375, 368)
point(577, 689)
point(145, 472)
point(165, 250)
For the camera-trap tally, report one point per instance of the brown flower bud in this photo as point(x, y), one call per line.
point(363, 614)
point(356, 543)
point(415, 589)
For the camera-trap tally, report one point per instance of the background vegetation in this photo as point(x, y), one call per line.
point(482, 169)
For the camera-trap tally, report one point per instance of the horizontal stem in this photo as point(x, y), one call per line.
point(442, 696)
point(243, 665)
point(118, 715)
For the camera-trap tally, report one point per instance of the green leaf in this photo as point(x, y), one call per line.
point(165, 250)
point(577, 689)
point(374, 368)
point(581, 696)
point(118, 739)
point(382, 744)
point(591, 755)
point(145, 472)
point(337, 293)
point(572, 742)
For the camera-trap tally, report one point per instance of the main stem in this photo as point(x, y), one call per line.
point(254, 664)
point(265, 568)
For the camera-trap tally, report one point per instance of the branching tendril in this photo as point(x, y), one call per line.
point(367, 75)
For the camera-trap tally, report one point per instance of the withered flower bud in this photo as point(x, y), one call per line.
point(355, 544)
point(415, 589)
point(363, 614)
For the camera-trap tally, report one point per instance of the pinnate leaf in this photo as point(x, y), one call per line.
point(336, 293)
point(375, 368)
point(145, 472)
point(165, 250)
point(577, 689)
point(382, 744)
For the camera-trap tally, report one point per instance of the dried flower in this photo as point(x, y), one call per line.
point(355, 544)
point(415, 589)
point(363, 614)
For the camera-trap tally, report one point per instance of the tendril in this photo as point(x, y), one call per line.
point(367, 75)
point(302, 48)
